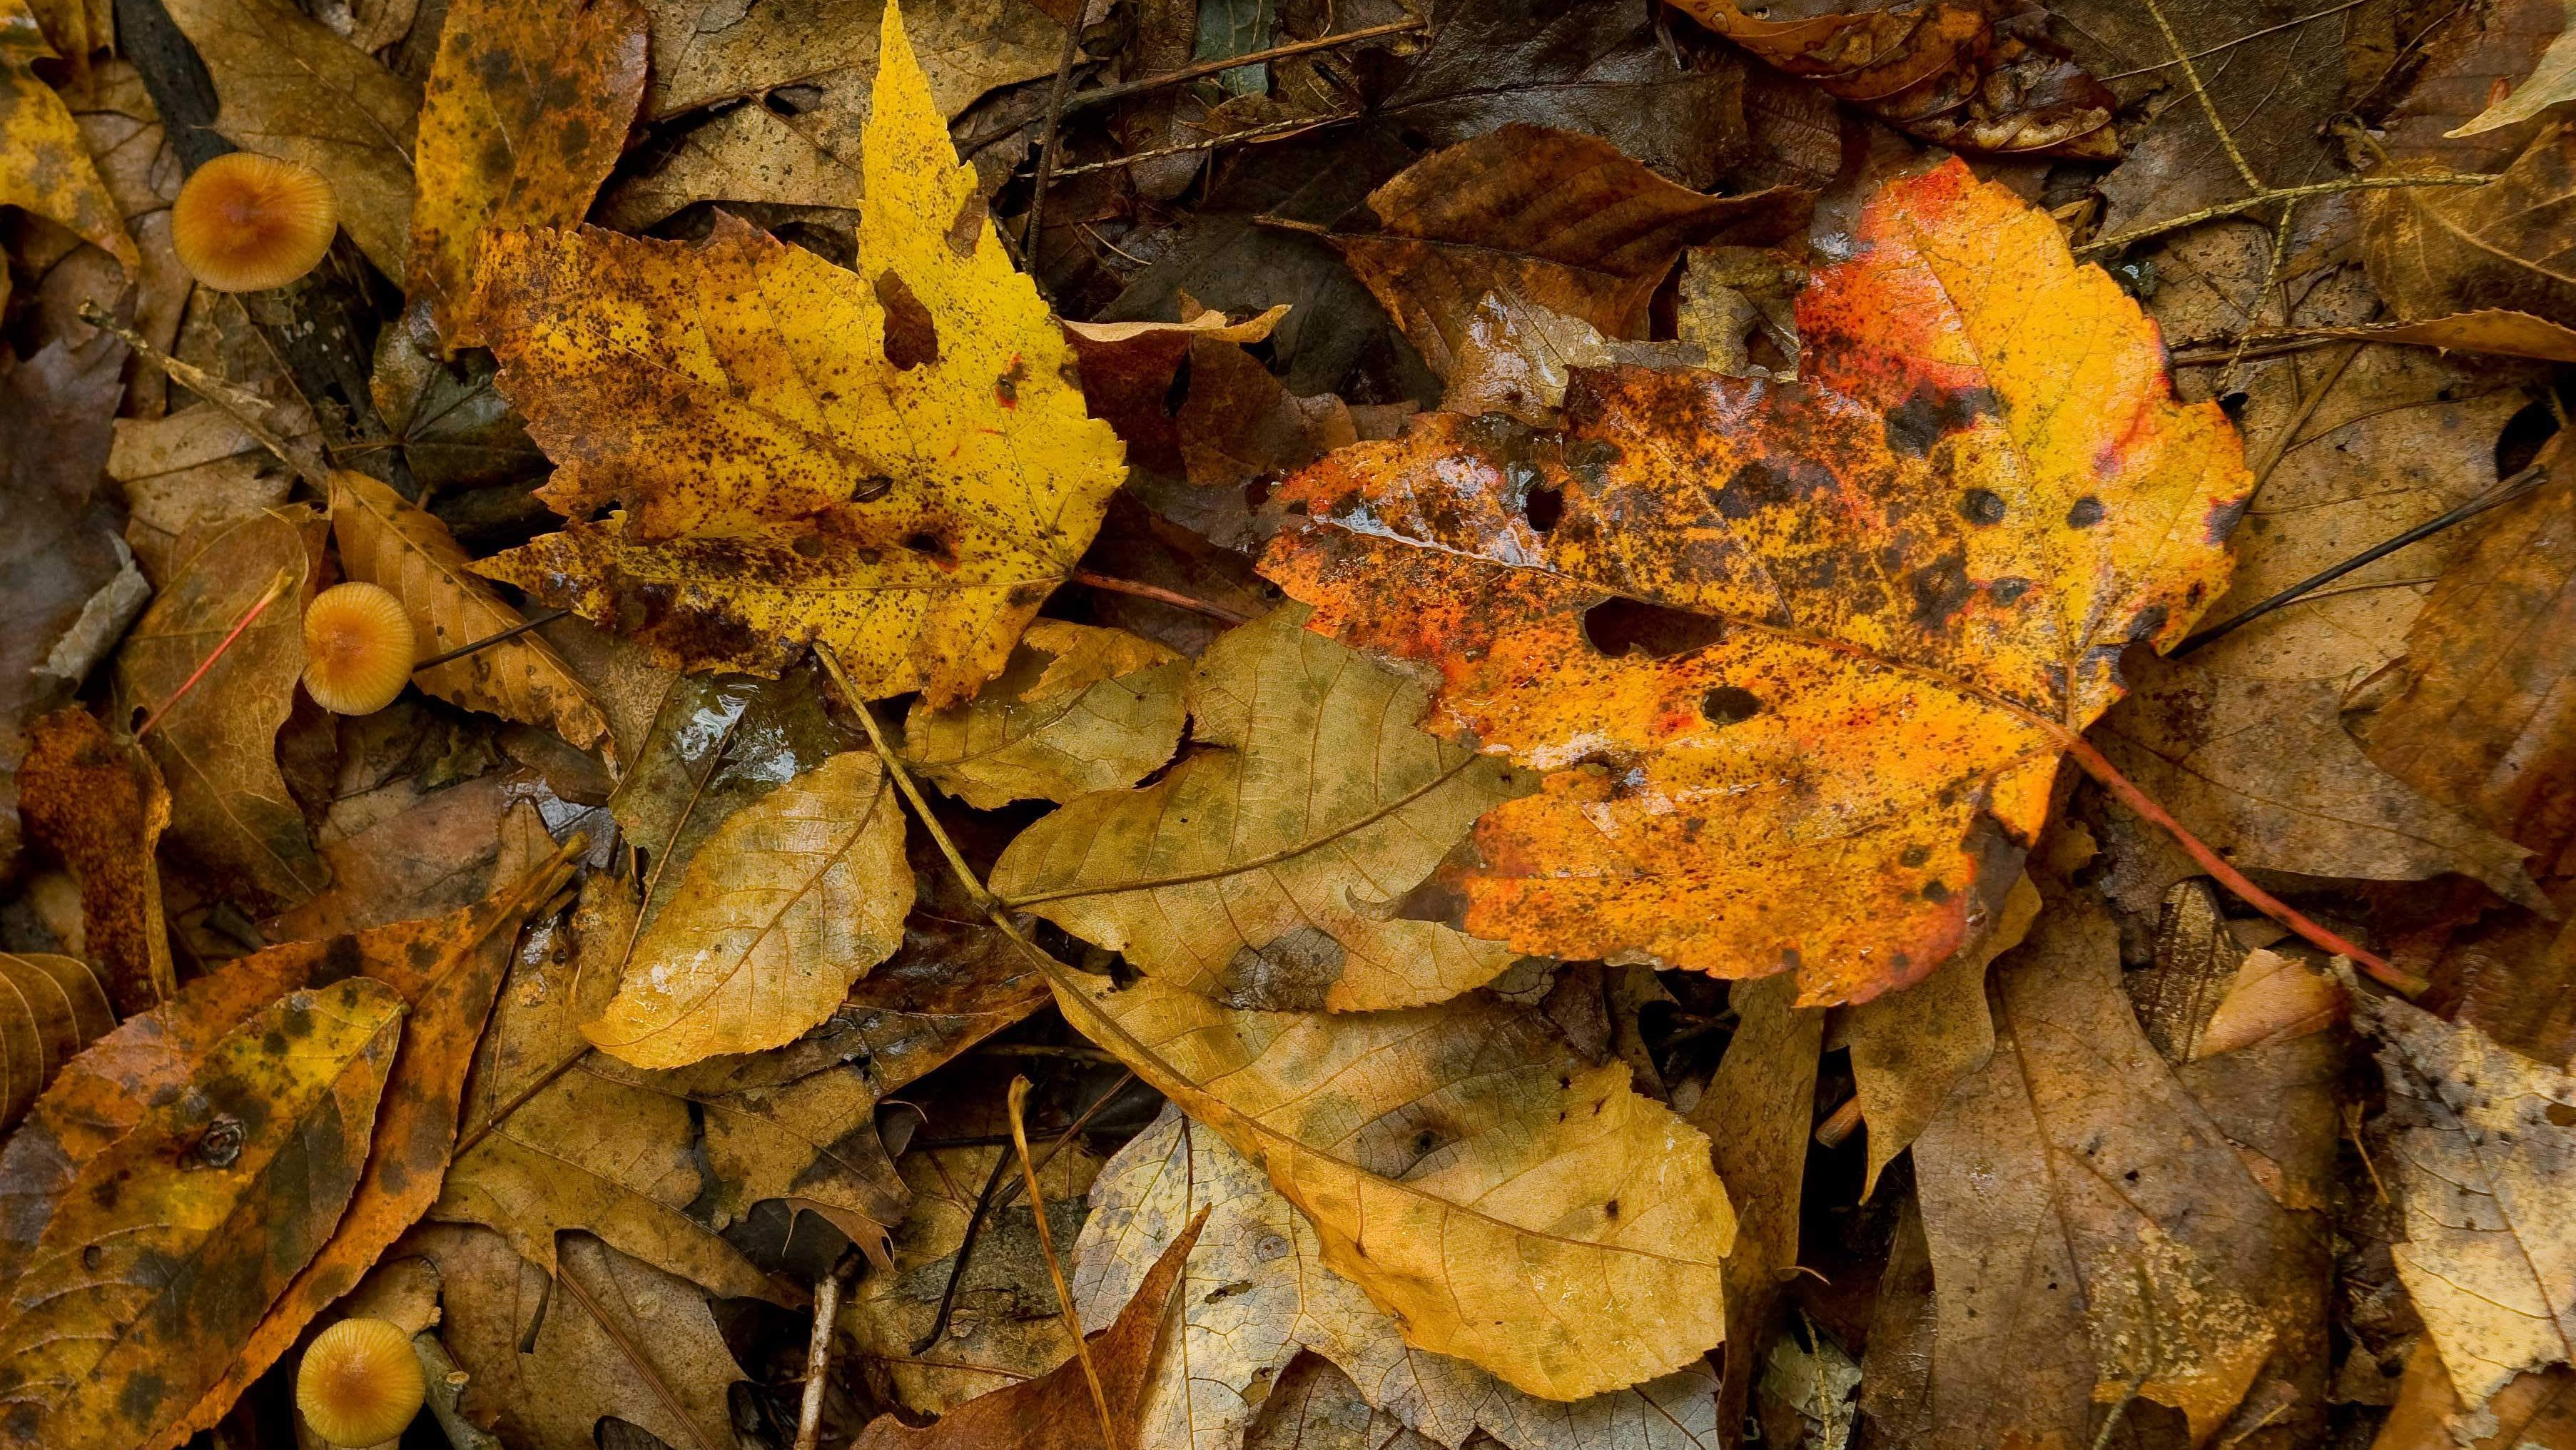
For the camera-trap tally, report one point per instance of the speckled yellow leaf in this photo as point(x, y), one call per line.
point(1078, 709)
point(387, 540)
point(1507, 1201)
point(44, 166)
point(889, 461)
point(791, 900)
point(1268, 869)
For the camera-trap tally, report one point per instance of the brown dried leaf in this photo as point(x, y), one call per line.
point(53, 1007)
point(44, 167)
point(526, 109)
point(173, 1242)
point(217, 749)
point(385, 539)
point(198, 468)
point(2436, 250)
point(1077, 709)
point(97, 803)
point(2273, 998)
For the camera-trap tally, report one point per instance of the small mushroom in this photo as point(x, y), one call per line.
point(360, 1383)
point(246, 222)
point(358, 649)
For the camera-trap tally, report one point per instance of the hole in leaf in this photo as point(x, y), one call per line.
point(911, 337)
point(1617, 625)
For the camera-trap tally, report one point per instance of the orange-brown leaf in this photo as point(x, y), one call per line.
point(98, 802)
point(1799, 657)
point(50, 1008)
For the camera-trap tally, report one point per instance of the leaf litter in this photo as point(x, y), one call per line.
point(1213, 725)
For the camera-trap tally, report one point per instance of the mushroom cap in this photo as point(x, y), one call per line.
point(358, 649)
point(360, 1383)
point(246, 222)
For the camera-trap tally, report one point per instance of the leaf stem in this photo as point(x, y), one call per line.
point(277, 588)
point(1080, 100)
point(1017, 1104)
point(2100, 768)
point(2270, 195)
point(1154, 592)
point(975, 888)
point(237, 403)
point(533, 621)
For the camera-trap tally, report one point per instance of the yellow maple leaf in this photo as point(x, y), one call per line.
point(890, 461)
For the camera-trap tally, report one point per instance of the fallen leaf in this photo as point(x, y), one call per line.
point(1506, 1200)
point(44, 167)
point(55, 1007)
point(2467, 68)
point(2534, 1412)
point(1601, 67)
point(292, 88)
point(385, 539)
point(98, 804)
point(455, 428)
point(2092, 1231)
point(1076, 710)
point(2273, 999)
point(811, 69)
point(2474, 715)
point(57, 540)
point(550, 1357)
point(217, 750)
point(526, 109)
point(947, 383)
point(1234, 420)
point(198, 468)
point(2436, 250)
point(174, 1240)
point(1058, 1409)
point(446, 971)
point(1757, 1110)
point(2501, 331)
point(1270, 867)
point(398, 852)
point(1255, 1296)
point(1910, 1048)
point(790, 901)
point(1941, 71)
point(2552, 80)
point(1807, 1394)
point(1314, 1406)
point(2008, 497)
point(1539, 218)
point(2483, 1139)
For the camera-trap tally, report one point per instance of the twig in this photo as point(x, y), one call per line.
point(237, 403)
point(2101, 769)
point(277, 588)
point(1839, 1125)
point(1248, 133)
point(439, 1369)
point(2119, 1412)
point(1081, 100)
point(1047, 137)
point(1019, 1097)
point(2263, 199)
point(2278, 446)
point(486, 642)
point(1160, 595)
point(991, 1369)
point(1044, 1049)
point(2504, 493)
point(818, 1358)
point(2209, 107)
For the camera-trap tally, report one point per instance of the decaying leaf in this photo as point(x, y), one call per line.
point(1057, 1410)
point(2436, 250)
point(44, 167)
point(172, 1243)
point(54, 1007)
point(1941, 71)
point(2484, 1141)
point(889, 463)
point(2534, 1412)
point(1077, 709)
point(2092, 1231)
point(217, 750)
point(1799, 658)
point(2552, 80)
point(550, 1357)
point(1544, 219)
point(1254, 1295)
point(526, 109)
point(789, 902)
point(1910, 1048)
point(1270, 867)
point(293, 88)
point(1506, 1200)
point(2476, 714)
point(97, 803)
point(197, 467)
point(385, 539)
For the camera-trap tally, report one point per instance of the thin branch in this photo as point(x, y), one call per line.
point(2226, 45)
point(2208, 106)
point(2265, 198)
point(818, 1359)
point(1048, 135)
point(635, 1356)
point(1248, 133)
point(2502, 494)
point(1160, 595)
point(1019, 1097)
point(238, 403)
point(486, 642)
point(965, 1251)
point(1081, 100)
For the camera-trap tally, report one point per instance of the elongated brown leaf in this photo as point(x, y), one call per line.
point(98, 803)
point(1506, 1200)
point(791, 901)
point(1267, 868)
point(387, 540)
point(172, 1243)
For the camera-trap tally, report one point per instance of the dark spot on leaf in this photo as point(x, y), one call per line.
point(2005, 591)
point(1610, 1209)
point(1936, 892)
point(967, 227)
point(1982, 506)
point(2085, 514)
point(911, 337)
point(1915, 855)
point(1290, 974)
point(1941, 589)
point(1544, 507)
point(1618, 625)
point(1914, 425)
point(1730, 705)
point(872, 488)
point(2561, 1114)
